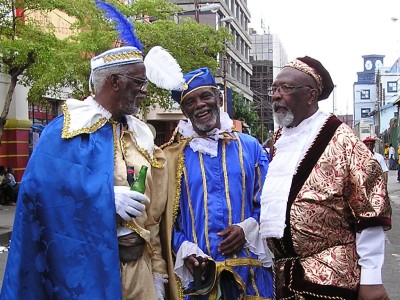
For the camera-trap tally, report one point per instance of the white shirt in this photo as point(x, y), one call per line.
point(391, 152)
point(381, 160)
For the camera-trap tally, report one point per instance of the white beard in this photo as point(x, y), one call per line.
point(284, 119)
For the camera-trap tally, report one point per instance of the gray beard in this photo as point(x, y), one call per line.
point(204, 127)
point(284, 119)
point(130, 109)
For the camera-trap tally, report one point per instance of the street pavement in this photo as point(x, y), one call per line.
point(391, 268)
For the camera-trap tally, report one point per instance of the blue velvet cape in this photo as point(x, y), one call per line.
point(64, 242)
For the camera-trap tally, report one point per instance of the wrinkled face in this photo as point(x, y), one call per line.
point(295, 97)
point(132, 90)
point(201, 107)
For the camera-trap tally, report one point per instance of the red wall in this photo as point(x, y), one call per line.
point(14, 150)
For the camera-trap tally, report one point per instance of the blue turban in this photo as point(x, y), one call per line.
point(194, 80)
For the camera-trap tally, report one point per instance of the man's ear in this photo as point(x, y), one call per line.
point(221, 100)
point(313, 96)
point(113, 79)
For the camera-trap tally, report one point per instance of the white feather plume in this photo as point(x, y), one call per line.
point(163, 70)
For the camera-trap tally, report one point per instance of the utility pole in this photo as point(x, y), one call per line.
point(224, 73)
point(196, 10)
point(378, 103)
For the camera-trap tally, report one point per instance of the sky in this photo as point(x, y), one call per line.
point(337, 33)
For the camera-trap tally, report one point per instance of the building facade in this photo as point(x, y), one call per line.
point(267, 57)
point(235, 70)
point(374, 93)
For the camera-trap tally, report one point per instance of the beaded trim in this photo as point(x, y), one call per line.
point(122, 56)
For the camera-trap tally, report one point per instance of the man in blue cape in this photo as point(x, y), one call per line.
point(76, 216)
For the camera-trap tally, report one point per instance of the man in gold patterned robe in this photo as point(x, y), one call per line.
point(324, 204)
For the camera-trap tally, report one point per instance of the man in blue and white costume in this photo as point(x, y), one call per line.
point(75, 207)
point(211, 220)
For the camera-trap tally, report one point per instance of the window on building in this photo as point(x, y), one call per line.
point(392, 87)
point(365, 112)
point(365, 94)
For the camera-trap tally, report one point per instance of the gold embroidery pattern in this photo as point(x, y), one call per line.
point(205, 200)
point(122, 56)
point(303, 67)
point(180, 288)
point(115, 138)
point(190, 205)
point(67, 121)
point(226, 182)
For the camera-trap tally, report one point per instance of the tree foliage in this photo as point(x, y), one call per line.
point(32, 55)
point(244, 112)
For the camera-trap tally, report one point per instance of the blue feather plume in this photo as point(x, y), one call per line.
point(123, 26)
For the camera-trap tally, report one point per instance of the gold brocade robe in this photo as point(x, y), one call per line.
point(344, 193)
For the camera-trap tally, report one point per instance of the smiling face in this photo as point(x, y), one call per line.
point(296, 105)
point(201, 107)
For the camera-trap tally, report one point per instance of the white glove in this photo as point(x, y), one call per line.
point(128, 202)
point(159, 281)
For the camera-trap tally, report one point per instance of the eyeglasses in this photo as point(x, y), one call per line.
point(284, 89)
point(142, 83)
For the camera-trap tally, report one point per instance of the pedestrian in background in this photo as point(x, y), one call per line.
point(398, 163)
point(392, 158)
point(386, 153)
point(324, 203)
point(216, 175)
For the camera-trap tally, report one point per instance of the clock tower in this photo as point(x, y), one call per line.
point(373, 63)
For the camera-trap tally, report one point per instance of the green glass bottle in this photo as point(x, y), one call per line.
point(140, 183)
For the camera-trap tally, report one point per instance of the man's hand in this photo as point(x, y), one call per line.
point(372, 292)
point(191, 262)
point(234, 240)
point(129, 204)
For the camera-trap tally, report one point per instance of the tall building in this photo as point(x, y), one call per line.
point(267, 57)
point(235, 16)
